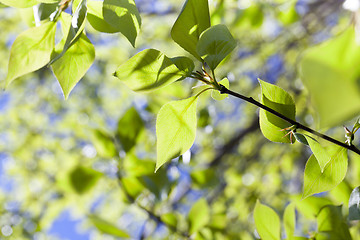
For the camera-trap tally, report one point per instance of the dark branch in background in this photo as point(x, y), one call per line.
point(224, 90)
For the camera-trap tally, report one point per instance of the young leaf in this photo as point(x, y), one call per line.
point(175, 129)
point(267, 222)
point(330, 69)
point(31, 50)
point(301, 138)
point(129, 127)
point(316, 181)
point(107, 227)
point(148, 70)
point(184, 64)
point(320, 153)
point(75, 31)
point(289, 221)
point(215, 44)
point(83, 179)
point(123, 16)
point(96, 18)
point(19, 3)
point(74, 63)
point(354, 204)
point(331, 224)
point(215, 94)
point(199, 215)
point(192, 21)
point(279, 100)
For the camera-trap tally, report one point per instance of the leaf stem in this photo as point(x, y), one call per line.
point(224, 90)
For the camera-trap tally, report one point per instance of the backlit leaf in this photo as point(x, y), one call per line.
point(267, 222)
point(289, 221)
point(276, 98)
point(19, 3)
point(215, 44)
point(107, 227)
point(175, 129)
point(192, 21)
point(199, 215)
point(31, 50)
point(148, 70)
point(96, 18)
point(215, 94)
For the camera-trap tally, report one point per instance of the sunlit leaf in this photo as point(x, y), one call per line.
point(31, 51)
point(276, 98)
point(184, 64)
point(74, 63)
point(175, 129)
point(170, 219)
point(199, 215)
point(215, 44)
point(129, 127)
point(19, 3)
point(123, 16)
point(107, 227)
point(83, 179)
point(148, 70)
point(96, 18)
point(267, 222)
point(330, 73)
point(316, 181)
point(320, 153)
point(354, 204)
point(215, 94)
point(103, 144)
point(192, 21)
point(289, 221)
point(331, 225)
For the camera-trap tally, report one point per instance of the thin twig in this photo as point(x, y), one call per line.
point(224, 90)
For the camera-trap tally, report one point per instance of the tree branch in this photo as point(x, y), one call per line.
point(224, 90)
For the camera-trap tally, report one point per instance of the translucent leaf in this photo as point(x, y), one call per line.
point(107, 227)
point(175, 129)
point(354, 204)
point(123, 16)
point(330, 72)
point(184, 64)
point(192, 21)
point(316, 181)
point(19, 3)
point(276, 98)
point(289, 221)
point(321, 155)
point(215, 94)
point(31, 50)
point(267, 222)
point(215, 44)
point(199, 215)
point(74, 63)
point(83, 179)
point(148, 70)
point(132, 186)
point(129, 127)
point(170, 219)
point(96, 18)
point(48, 1)
point(103, 144)
point(75, 31)
point(331, 225)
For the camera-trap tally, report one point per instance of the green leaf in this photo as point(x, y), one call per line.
point(19, 3)
point(320, 153)
point(31, 50)
point(199, 215)
point(316, 181)
point(148, 70)
point(267, 222)
point(289, 221)
point(74, 63)
point(331, 225)
point(354, 204)
point(103, 144)
point(215, 44)
point(123, 16)
point(96, 18)
point(289, 15)
point(49, 1)
point(170, 219)
point(330, 72)
point(175, 129)
point(107, 227)
point(215, 94)
point(301, 138)
point(83, 179)
point(184, 64)
point(192, 21)
point(132, 186)
point(75, 31)
point(276, 98)
point(129, 128)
